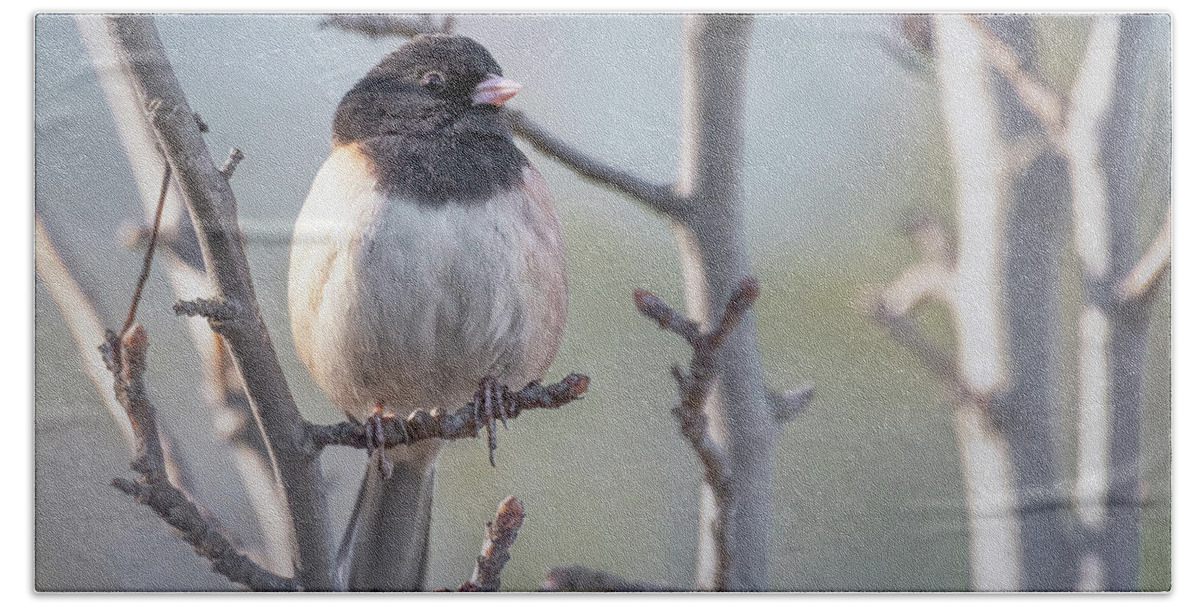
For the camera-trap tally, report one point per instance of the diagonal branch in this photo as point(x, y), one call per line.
point(660, 198)
point(695, 385)
point(465, 422)
point(1145, 275)
point(1036, 95)
point(82, 319)
point(213, 209)
point(126, 359)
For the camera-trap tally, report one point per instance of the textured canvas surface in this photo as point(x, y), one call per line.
point(951, 373)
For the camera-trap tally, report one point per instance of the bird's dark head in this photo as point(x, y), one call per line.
point(428, 120)
point(430, 84)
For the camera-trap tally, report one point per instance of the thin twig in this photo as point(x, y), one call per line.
point(694, 387)
point(930, 277)
point(126, 359)
point(465, 422)
point(501, 534)
point(387, 26)
point(905, 332)
point(231, 163)
point(149, 256)
point(788, 405)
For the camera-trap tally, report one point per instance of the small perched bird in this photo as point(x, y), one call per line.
point(427, 256)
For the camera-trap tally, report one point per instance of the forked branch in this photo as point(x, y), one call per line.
point(695, 385)
point(126, 359)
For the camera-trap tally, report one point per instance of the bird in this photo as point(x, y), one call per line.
point(427, 265)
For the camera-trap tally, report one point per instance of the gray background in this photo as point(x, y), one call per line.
point(841, 141)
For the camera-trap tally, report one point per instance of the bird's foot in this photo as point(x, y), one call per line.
point(490, 404)
point(376, 441)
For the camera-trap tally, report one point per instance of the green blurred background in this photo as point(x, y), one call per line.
point(841, 142)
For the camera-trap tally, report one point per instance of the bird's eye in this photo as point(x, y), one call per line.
point(434, 81)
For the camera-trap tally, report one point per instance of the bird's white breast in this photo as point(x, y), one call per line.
point(412, 304)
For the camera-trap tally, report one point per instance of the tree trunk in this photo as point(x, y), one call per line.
point(713, 257)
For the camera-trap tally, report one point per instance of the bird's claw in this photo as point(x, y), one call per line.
point(376, 441)
point(488, 405)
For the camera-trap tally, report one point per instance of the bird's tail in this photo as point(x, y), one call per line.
point(387, 540)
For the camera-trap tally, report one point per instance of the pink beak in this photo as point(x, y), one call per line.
point(494, 90)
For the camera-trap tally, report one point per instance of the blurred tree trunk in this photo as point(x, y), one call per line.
point(1019, 166)
point(1110, 99)
point(975, 126)
point(1036, 199)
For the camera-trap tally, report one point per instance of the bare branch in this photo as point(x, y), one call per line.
point(184, 264)
point(1040, 98)
point(694, 388)
point(660, 198)
point(906, 332)
point(214, 210)
point(149, 256)
point(713, 260)
point(126, 358)
point(501, 534)
point(387, 26)
point(1145, 275)
point(81, 318)
point(216, 311)
point(931, 277)
point(465, 422)
point(584, 579)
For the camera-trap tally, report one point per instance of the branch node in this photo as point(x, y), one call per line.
point(792, 403)
point(231, 163)
point(501, 533)
point(219, 312)
point(126, 358)
point(694, 387)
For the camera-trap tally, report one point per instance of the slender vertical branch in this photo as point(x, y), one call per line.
point(1103, 130)
point(1090, 101)
point(212, 207)
point(713, 257)
point(1036, 197)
